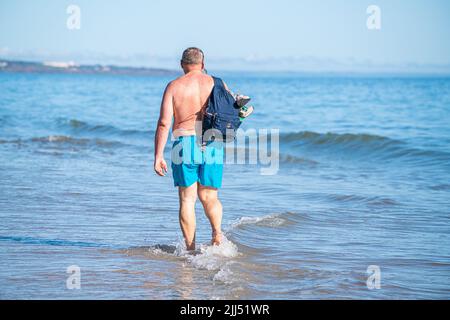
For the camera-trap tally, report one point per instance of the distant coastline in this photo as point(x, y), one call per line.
point(72, 68)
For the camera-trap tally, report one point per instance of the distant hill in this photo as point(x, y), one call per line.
point(73, 68)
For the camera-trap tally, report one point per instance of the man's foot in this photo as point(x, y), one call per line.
point(194, 252)
point(216, 238)
point(190, 246)
point(242, 100)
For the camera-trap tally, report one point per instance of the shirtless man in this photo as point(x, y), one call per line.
point(184, 100)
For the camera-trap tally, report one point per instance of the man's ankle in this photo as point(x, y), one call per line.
point(190, 246)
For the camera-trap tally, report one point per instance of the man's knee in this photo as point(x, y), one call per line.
point(207, 195)
point(187, 196)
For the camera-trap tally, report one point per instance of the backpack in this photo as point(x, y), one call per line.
point(221, 114)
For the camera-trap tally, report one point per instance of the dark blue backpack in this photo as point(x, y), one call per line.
point(221, 114)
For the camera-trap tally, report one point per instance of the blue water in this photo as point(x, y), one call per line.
point(364, 179)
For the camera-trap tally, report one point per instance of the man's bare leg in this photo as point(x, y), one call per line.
point(213, 210)
point(188, 196)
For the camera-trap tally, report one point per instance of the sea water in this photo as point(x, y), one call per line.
point(363, 184)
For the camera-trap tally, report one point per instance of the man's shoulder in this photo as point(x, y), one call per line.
point(173, 84)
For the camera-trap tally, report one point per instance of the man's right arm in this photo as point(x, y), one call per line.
point(162, 130)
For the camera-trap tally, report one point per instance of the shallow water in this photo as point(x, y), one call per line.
point(364, 179)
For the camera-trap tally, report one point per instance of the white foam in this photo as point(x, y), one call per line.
point(212, 257)
point(156, 251)
point(272, 220)
point(224, 275)
point(53, 138)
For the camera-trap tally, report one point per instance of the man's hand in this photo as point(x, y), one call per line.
point(160, 166)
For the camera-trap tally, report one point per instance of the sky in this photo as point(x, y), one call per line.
point(267, 35)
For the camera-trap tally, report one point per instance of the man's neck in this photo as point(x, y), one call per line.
point(193, 70)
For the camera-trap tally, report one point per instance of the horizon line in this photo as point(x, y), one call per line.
point(444, 73)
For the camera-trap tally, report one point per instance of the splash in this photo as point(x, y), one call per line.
point(213, 258)
point(225, 274)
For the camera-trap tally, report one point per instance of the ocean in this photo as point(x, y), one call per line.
point(359, 207)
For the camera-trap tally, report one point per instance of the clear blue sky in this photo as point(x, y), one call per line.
point(248, 34)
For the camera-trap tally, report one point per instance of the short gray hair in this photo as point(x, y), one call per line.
point(192, 55)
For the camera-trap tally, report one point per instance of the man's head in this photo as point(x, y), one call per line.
point(192, 59)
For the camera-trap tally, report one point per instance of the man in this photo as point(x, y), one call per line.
point(185, 99)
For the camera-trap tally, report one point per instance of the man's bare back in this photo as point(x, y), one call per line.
point(190, 94)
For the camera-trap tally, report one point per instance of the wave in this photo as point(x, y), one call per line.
point(78, 126)
point(291, 159)
point(62, 140)
point(334, 138)
point(357, 145)
point(342, 141)
point(53, 242)
point(298, 148)
point(351, 144)
point(275, 220)
point(366, 200)
point(440, 187)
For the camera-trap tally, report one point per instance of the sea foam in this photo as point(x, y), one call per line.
point(212, 257)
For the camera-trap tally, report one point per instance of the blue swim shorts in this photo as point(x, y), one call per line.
point(190, 164)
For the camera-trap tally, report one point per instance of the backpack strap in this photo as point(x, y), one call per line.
point(218, 82)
